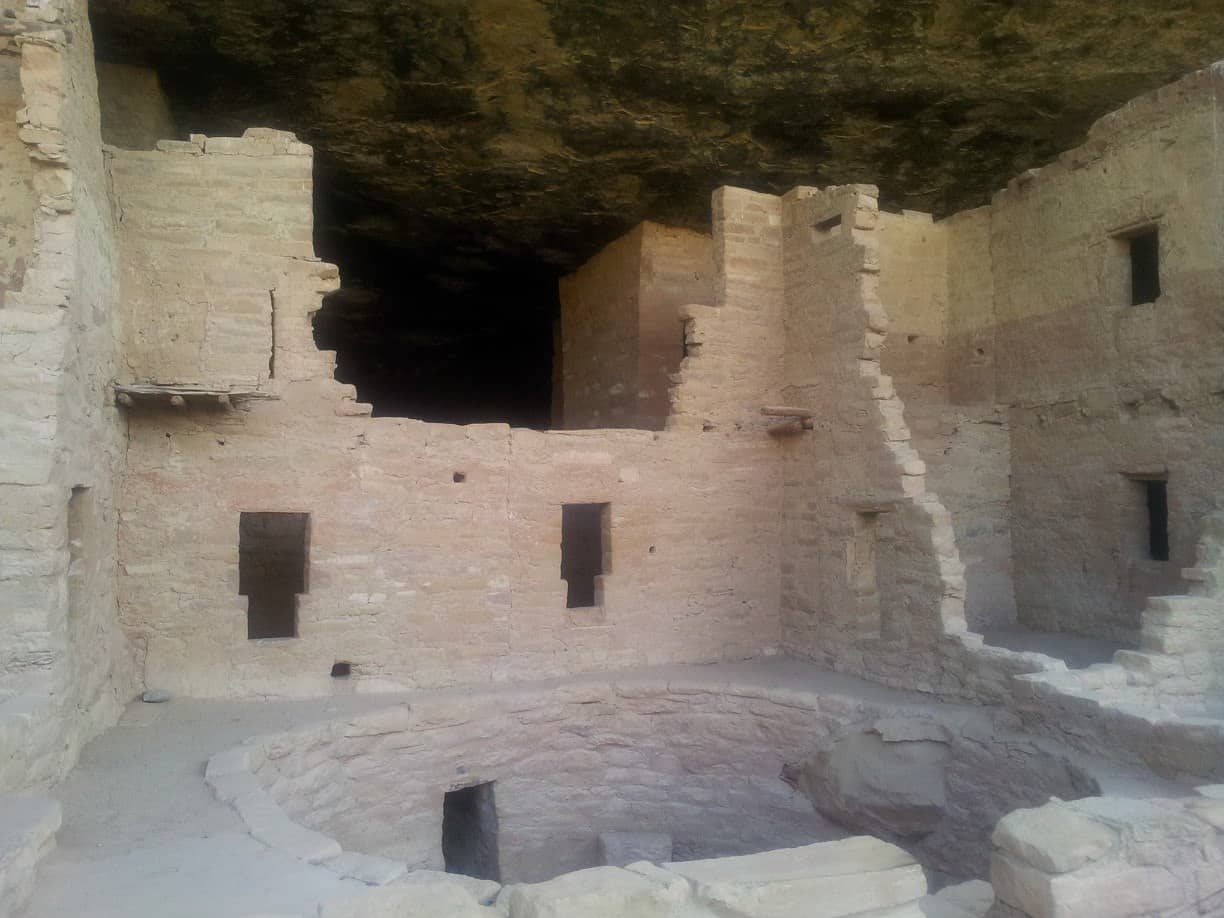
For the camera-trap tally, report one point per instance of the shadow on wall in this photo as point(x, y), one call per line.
point(930, 790)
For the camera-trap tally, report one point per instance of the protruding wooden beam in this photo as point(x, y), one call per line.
point(785, 411)
point(223, 400)
point(177, 401)
point(123, 399)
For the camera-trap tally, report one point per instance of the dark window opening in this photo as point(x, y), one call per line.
point(584, 547)
point(1145, 266)
point(272, 558)
point(1158, 518)
point(469, 832)
point(81, 526)
point(341, 670)
point(459, 478)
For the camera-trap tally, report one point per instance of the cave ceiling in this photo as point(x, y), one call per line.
point(459, 136)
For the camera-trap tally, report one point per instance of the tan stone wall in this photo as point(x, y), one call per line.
point(736, 348)
point(17, 197)
point(871, 576)
point(64, 668)
point(949, 398)
point(135, 111)
point(1101, 389)
point(197, 293)
point(677, 269)
point(415, 578)
point(599, 337)
point(622, 337)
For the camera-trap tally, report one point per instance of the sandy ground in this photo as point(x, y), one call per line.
point(144, 838)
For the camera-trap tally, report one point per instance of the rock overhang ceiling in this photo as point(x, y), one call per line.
point(467, 148)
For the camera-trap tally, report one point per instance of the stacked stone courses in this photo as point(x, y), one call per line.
point(843, 454)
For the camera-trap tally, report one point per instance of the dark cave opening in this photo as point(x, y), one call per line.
point(434, 320)
point(417, 347)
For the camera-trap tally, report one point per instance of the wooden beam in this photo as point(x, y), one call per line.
point(177, 401)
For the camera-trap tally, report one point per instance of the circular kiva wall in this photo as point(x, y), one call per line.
point(724, 769)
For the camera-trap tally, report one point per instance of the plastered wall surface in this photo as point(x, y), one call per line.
point(64, 668)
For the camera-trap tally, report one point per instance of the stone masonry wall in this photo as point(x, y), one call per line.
point(599, 337)
point(18, 199)
point(1103, 392)
point(135, 111)
point(622, 336)
point(735, 347)
point(416, 578)
point(64, 669)
point(199, 302)
point(871, 576)
point(677, 269)
point(949, 405)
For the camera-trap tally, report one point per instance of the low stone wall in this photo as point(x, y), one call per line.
point(854, 876)
point(1104, 857)
point(724, 767)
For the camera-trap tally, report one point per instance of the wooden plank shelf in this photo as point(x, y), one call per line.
point(150, 395)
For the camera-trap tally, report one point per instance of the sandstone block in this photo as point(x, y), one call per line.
point(1053, 838)
point(434, 899)
point(600, 892)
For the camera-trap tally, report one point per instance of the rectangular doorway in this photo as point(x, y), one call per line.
point(469, 832)
point(272, 570)
point(584, 552)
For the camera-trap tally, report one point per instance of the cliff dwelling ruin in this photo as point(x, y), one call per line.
point(513, 459)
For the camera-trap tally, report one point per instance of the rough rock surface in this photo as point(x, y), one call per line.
point(542, 128)
point(470, 152)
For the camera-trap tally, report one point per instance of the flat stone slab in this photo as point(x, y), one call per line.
point(599, 892)
point(366, 868)
point(620, 849)
point(826, 880)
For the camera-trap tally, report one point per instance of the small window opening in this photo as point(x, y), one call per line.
point(828, 224)
point(341, 670)
point(80, 526)
point(584, 547)
point(1158, 518)
point(459, 478)
point(469, 832)
point(272, 558)
point(1145, 266)
point(861, 571)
